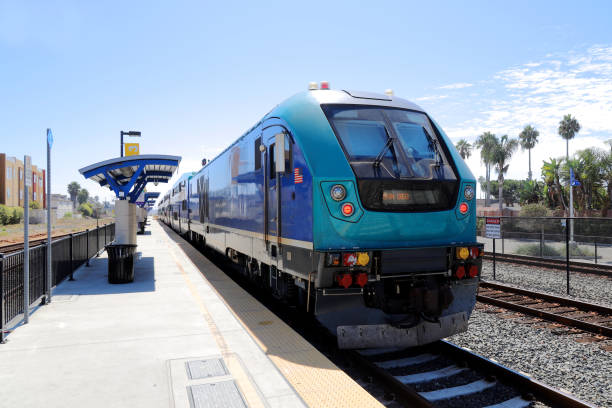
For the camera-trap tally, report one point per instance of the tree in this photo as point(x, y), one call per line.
point(568, 127)
point(83, 196)
point(464, 148)
point(486, 143)
point(528, 139)
point(73, 190)
point(551, 172)
point(85, 209)
point(530, 192)
point(503, 150)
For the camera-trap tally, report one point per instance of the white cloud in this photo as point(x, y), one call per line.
point(458, 85)
point(539, 93)
point(432, 98)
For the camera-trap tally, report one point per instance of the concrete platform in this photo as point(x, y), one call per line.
point(183, 334)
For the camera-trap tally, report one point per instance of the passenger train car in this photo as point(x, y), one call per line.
point(354, 205)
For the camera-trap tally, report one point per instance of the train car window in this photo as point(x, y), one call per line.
point(272, 159)
point(288, 155)
point(257, 154)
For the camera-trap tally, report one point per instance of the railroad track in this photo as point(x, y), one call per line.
point(583, 267)
point(7, 249)
point(445, 375)
point(585, 316)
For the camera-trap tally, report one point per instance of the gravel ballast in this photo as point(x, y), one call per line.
point(590, 288)
point(583, 369)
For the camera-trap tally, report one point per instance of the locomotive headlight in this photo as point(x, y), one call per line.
point(468, 192)
point(338, 192)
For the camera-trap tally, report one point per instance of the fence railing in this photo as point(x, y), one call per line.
point(67, 254)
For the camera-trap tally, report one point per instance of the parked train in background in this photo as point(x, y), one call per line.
point(354, 205)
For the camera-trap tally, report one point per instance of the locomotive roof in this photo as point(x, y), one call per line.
point(362, 98)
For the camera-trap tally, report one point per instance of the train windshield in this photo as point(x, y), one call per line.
point(390, 143)
point(400, 160)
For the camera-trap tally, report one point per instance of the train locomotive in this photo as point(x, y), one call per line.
point(354, 206)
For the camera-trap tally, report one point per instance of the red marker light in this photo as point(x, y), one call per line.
point(473, 271)
point(362, 279)
point(463, 208)
point(345, 280)
point(347, 209)
point(349, 259)
point(324, 85)
point(474, 252)
point(460, 272)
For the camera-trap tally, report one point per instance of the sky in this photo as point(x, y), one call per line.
point(193, 76)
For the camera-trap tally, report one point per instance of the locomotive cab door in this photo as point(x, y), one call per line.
point(274, 137)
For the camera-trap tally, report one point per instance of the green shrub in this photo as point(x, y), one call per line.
point(34, 205)
point(68, 215)
point(534, 250)
point(16, 215)
point(4, 215)
point(85, 209)
point(534, 210)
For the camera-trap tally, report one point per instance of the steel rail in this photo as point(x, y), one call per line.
point(541, 391)
point(567, 321)
point(583, 267)
point(546, 296)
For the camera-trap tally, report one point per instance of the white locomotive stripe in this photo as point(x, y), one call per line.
point(516, 402)
point(452, 392)
point(283, 240)
point(430, 375)
point(408, 361)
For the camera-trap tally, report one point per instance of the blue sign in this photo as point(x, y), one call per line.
point(573, 181)
point(49, 138)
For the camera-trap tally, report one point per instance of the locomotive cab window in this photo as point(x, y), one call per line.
point(272, 160)
point(257, 153)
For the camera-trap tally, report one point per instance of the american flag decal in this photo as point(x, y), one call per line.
point(297, 176)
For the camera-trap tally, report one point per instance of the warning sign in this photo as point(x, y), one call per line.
point(493, 228)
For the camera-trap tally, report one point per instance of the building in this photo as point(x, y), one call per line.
point(60, 205)
point(12, 183)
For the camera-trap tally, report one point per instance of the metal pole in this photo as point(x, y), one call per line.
point(1, 299)
point(97, 235)
point(71, 258)
point(49, 237)
point(595, 251)
point(121, 147)
point(87, 249)
point(26, 247)
point(567, 254)
point(542, 241)
point(493, 258)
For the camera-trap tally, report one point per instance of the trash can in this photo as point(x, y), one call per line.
point(141, 227)
point(120, 263)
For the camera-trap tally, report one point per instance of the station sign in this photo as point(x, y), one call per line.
point(493, 227)
point(132, 149)
point(28, 171)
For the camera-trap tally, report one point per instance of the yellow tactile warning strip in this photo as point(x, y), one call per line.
point(316, 379)
point(247, 388)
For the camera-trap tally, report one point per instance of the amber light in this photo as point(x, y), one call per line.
point(347, 209)
point(460, 272)
point(463, 208)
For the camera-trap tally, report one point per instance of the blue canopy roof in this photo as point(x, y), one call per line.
point(127, 176)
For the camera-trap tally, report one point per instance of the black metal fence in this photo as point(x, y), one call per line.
point(545, 237)
point(67, 254)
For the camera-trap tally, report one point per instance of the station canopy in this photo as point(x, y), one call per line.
point(128, 176)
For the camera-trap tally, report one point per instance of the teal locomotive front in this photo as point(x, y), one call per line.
point(355, 206)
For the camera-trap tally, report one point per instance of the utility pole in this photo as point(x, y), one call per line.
point(27, 183)
point(49, 237)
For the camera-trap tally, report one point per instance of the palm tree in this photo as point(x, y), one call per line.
point(502, 152)
point(486, 143)
point(464, 148)
point(551, 172)
point(568, 127)
point(73, 190)
point(529, 138)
